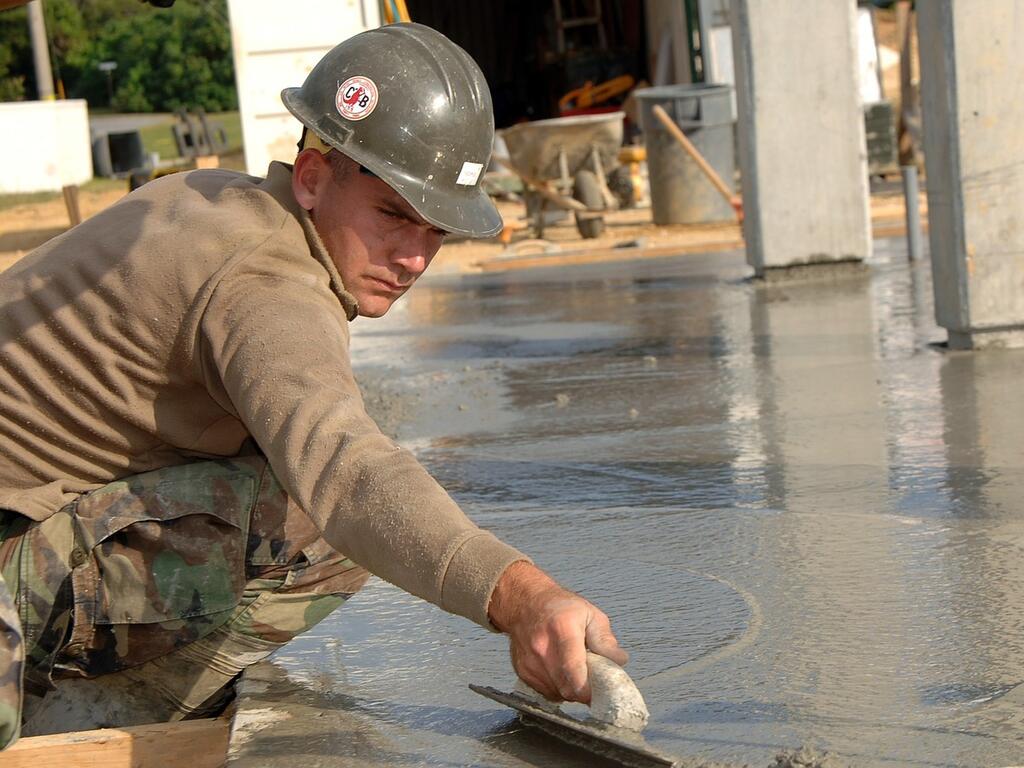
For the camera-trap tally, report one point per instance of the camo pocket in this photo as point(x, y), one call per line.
point(166, 545)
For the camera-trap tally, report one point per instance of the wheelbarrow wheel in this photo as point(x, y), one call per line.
point(587, 190)
point(620, 182)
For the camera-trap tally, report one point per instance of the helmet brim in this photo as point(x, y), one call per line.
point(470, 214)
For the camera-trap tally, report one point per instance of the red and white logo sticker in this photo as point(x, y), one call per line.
point(356, 98)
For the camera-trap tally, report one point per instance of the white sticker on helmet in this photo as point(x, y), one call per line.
point(470, 174)
point(356, 98)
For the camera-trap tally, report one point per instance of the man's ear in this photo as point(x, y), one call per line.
point(309, 175)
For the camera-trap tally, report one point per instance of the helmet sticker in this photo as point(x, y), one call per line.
point(356, 98)
point(469, 174)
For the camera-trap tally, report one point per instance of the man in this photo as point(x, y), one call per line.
point(188, 473)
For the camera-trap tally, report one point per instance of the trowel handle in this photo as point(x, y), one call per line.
point(614, 697)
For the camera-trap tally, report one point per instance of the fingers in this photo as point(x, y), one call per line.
point(540, 684)
point(569, 663)
point(601, 640)
point(549, 651)
point(532, 673)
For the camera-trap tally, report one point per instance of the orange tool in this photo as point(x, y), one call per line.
point(589, 94)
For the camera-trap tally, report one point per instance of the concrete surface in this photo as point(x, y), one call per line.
point(972, 97)
point(802, 514)
point(802, 152)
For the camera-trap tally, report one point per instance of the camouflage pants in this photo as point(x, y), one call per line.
point(180, 577)
point(12, 658)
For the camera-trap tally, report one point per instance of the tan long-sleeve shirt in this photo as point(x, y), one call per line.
point(201, 310)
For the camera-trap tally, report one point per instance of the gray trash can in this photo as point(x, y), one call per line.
point(118, 154)
point(680, 192)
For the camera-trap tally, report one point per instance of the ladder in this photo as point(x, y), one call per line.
point(592, 18)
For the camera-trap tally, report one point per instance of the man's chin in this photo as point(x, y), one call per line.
point(374, 306)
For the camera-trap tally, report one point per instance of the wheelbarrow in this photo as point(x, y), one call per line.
point(565, 162)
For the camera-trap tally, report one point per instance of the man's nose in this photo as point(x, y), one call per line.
point(413, 254)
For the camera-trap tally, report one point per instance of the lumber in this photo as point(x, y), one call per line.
point(188, 744)
point(70, 192)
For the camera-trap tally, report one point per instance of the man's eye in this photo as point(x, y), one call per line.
point(393, 215)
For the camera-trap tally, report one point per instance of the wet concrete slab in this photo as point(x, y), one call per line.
point(804, 516)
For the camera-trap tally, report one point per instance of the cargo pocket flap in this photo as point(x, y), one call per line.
point(168, 548)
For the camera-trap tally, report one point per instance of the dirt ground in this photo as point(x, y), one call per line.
point(28, 226)
point(628, 234)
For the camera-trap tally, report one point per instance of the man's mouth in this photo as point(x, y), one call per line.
point(388, 285)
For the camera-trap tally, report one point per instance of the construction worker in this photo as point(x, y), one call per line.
point(188, 474)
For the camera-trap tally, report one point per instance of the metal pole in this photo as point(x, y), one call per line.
point(40, 50)
point(910, 197)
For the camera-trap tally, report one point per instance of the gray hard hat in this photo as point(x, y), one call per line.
point(413, 108)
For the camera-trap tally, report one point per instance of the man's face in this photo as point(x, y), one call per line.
point(378, 242)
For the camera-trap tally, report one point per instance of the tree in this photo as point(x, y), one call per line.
point(166, 58)
point(15, 55)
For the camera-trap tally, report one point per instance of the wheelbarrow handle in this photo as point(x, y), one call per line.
point(544, 190)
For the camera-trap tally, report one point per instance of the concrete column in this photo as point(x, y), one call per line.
point(668, 42)
point(40, 50)
point(801, 133)
point(972, 98)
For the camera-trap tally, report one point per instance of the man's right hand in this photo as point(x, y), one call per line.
point(550, 630)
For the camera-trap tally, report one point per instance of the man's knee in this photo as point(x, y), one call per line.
point(312, 578)
point(285, 600)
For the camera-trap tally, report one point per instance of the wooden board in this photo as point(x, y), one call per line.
point(595, 255)
point(188, 744)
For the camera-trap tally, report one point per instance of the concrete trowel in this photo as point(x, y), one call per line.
point(618, 714)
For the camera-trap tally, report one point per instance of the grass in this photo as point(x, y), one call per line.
point(158, 138)
point(27, 198)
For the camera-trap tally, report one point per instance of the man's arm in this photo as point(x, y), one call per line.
point(275, 350)
point(550, 630)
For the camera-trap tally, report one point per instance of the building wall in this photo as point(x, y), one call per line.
point(275, 46)
point(46, 145)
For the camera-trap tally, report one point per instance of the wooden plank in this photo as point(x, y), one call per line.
point(881, 227)
point(70, 193)
point(596, 255)
point(188, 744)
point(207, 161)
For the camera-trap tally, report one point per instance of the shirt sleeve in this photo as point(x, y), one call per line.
point(277, 347)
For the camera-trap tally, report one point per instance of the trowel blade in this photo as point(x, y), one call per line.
point(619, 744)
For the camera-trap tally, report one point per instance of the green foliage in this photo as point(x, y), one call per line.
point(12, 88)
point(14, 55)
point(166, 58)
